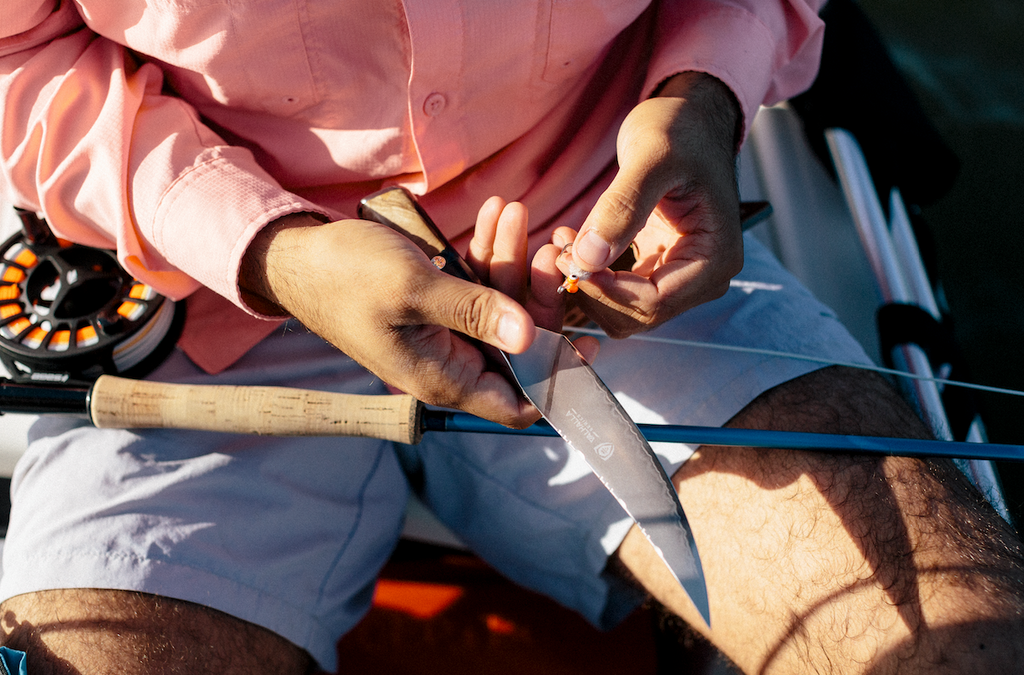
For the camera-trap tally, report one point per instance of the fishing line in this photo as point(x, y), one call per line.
point(597, 332)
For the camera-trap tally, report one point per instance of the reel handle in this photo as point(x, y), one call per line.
point(119, 403)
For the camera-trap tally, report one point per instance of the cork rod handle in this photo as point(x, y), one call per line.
point(118, 403)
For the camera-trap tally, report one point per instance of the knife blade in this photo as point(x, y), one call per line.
point(577, 404)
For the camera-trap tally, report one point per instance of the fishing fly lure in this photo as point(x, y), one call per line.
point(575, 276)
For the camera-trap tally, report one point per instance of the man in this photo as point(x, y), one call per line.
point(223, 148)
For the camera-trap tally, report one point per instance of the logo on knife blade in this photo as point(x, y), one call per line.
point(604, 450)
point(581, 424)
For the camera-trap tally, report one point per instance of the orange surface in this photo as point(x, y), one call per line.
point(415, 598)
point(141, 292)
point(26, 258)
point(13, 275)
point(17, 326)
point(60, 341)
point(35, 338)
point(86, 336)
point(449, 613)
point(131, 310)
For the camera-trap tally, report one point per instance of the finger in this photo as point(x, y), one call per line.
point(504, 404)
point(563, 235)
point(624, 303)
point(481, 246)
point(508, 267)
point(546, 305)
point(588, 347)
point(687, 285)
point(621, 303)
point(619, 214)
point(448, 371)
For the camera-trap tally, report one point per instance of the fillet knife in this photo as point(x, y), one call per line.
point(578, 405)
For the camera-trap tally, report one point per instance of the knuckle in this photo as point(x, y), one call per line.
point(618, 205)
point(474, 313)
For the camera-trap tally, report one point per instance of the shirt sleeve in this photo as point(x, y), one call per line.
point(764, 50)
point(91, 141)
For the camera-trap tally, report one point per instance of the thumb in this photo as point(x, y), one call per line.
point(619, 214)
point(478, 312)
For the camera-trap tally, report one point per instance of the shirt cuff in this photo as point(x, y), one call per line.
point(209, 216)
point(762, 60)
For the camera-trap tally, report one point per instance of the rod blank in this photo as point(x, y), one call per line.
point(115, 402)
point(435, 420)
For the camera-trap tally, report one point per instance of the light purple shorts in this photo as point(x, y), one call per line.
point(290, 533)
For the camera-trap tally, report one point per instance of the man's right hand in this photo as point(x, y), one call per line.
point(373, 294)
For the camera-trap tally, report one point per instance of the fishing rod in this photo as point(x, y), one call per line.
point(121, 403)
point(69, 313)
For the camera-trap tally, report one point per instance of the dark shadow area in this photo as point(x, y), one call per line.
point(439, 610)
point(965, 67)
point(442, 610)
point(5, 505)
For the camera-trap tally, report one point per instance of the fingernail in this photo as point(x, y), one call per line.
point(592, 249)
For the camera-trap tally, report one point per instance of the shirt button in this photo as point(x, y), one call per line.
point(434, 104)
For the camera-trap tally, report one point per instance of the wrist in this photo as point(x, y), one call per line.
point(721, 108)
point(273, 254)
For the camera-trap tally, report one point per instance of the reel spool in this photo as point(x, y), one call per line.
point(72, 313)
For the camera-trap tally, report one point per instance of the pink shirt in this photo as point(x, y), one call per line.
point(175, 132)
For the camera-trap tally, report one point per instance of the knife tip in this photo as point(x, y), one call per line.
point(699, 597)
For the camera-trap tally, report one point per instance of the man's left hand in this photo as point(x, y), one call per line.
point(675, 199)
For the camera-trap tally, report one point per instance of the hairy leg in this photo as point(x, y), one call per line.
point(820, 562)
point(90, 631)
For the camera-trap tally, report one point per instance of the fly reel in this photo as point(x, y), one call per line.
point(72, 313)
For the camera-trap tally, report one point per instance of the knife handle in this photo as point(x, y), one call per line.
point(398, 209)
